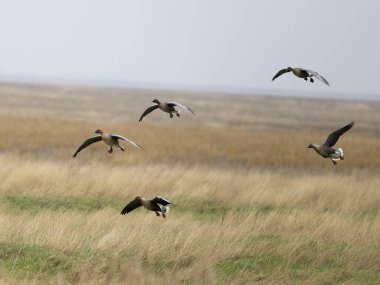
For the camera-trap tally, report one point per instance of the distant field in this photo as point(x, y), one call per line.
point(251, 204)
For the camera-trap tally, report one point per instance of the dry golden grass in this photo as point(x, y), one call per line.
point(251, 204)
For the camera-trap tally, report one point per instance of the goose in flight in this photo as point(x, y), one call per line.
point(326, 149)
point(302, 73)
point(158, 205)
point(168, 107)
point(111, 140)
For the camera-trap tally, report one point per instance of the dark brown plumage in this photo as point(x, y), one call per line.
point(334, 136)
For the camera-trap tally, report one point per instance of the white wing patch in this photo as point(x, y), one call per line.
point(188, 109)
point(128, 140)
point(319, 77)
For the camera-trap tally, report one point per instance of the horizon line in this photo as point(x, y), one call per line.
point(232, 91)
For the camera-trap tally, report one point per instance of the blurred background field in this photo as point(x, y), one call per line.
point(251, 204)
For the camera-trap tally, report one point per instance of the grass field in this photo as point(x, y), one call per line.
point(251, 204)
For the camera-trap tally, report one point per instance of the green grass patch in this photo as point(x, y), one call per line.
point(28, 261)
point(267, 237)
point(331, 256)
point(214, 209)
point(367, 276)
point(35, 204)
point(24, 261)
point(35, 262)
point(331, 261)
point(242, 264)
point(371, 213)
point(314, 260)
point(335, 259)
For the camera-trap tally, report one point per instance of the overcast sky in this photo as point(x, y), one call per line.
point(217, 44)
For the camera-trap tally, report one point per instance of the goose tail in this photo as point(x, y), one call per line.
point(341, 156)
point(165, 209)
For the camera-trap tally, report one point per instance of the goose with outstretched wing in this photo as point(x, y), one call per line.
point(159, 205)
point(302, 73)
point(168, 107)
point(109, 139)
point(326, 149)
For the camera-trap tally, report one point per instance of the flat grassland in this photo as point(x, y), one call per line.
point(251, 204)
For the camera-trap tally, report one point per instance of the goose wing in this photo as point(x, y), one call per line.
point(188, 109)
point(334, 136)
point(147, 111)
point(316, 75)
point(161, 201)
point(281, 72)
point(117, 137)
point(134, 204)
point(87, 142)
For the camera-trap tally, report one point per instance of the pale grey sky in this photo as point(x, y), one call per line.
point(221, 44)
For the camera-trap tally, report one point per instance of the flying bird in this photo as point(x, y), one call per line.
point(158, 205)
point(109, 139)
point(168, 107)
point(326, 149)
point(302, 73)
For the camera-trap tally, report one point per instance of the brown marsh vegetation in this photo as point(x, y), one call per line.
point(251, 204)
